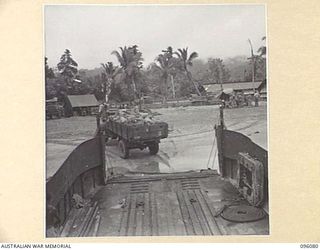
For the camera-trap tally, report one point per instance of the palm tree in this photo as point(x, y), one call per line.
point(261, 65)
point(253, 60)
point(168, 52)
point(130, 59)
point(172, 69)
point(218, 71)
point(187, 61)
point(110, 72)
point(258, 61)
point(165, 64)
point(48, 71)
point(263, 49)
point(68, 67)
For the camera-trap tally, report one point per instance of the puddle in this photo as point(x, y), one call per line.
point(150, 167)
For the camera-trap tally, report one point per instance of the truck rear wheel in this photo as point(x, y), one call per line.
point(124, 150)
point(154, 148)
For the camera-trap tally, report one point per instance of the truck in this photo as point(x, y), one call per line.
point(54, 109)
point(136, 135)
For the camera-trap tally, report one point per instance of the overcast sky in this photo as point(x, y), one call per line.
point(92, 32)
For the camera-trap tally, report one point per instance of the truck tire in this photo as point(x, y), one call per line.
point(124, 150)
point(154, 148)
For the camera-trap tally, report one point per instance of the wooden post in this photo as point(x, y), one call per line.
point(98, 125)
point(221, 117)
point(220, 142)
point(103, 158)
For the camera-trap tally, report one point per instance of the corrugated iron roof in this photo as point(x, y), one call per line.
point(83, 101)
point(234, 86)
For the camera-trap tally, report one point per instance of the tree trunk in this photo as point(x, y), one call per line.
point(194, 84)
point(134, 88)
point(253, 73)
point(165, 90)
point(69, 83)
point(173, 88)
point(105, 92)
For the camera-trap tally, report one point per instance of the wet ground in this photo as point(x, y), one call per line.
point(190, 145)
point(191, 142)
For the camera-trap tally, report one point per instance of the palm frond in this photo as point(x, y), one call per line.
point(177, 54)
point(104, 66)
point(193, 56)
point(262, 51)
point(73, 62)
point(117, 71)
point(119, 57)
point(162, 61)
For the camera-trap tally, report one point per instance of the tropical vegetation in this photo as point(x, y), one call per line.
point(173, 74)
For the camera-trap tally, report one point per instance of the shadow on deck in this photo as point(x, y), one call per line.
point(163, 205)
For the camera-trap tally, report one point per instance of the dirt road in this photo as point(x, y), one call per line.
point(189, 146)
point(191, 142)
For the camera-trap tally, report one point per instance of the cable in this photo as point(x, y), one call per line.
point(211, 152)
point(214, 157)
point(195, 133)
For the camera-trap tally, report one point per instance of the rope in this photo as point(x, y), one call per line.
point(211, 152)
point(219, 213)
point(195, 133)
point(214, 157)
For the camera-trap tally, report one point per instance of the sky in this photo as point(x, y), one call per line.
point(92, 32)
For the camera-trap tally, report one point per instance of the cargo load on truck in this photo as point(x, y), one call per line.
point(135, 129)
point(132, 116)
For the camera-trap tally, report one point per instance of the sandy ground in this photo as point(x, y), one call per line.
point(63, 136)
point(189, 146)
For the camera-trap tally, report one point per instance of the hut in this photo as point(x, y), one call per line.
point(82, 104)
point(247, 88)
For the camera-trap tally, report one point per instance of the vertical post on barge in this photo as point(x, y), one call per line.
point(219, 136)
point(221, 115)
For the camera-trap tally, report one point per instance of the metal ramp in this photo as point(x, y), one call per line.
point(172, 204)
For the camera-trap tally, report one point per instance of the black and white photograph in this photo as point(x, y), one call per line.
point(156, 120)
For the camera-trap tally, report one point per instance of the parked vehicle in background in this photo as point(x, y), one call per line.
point(54, 109)
point(147, 100)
